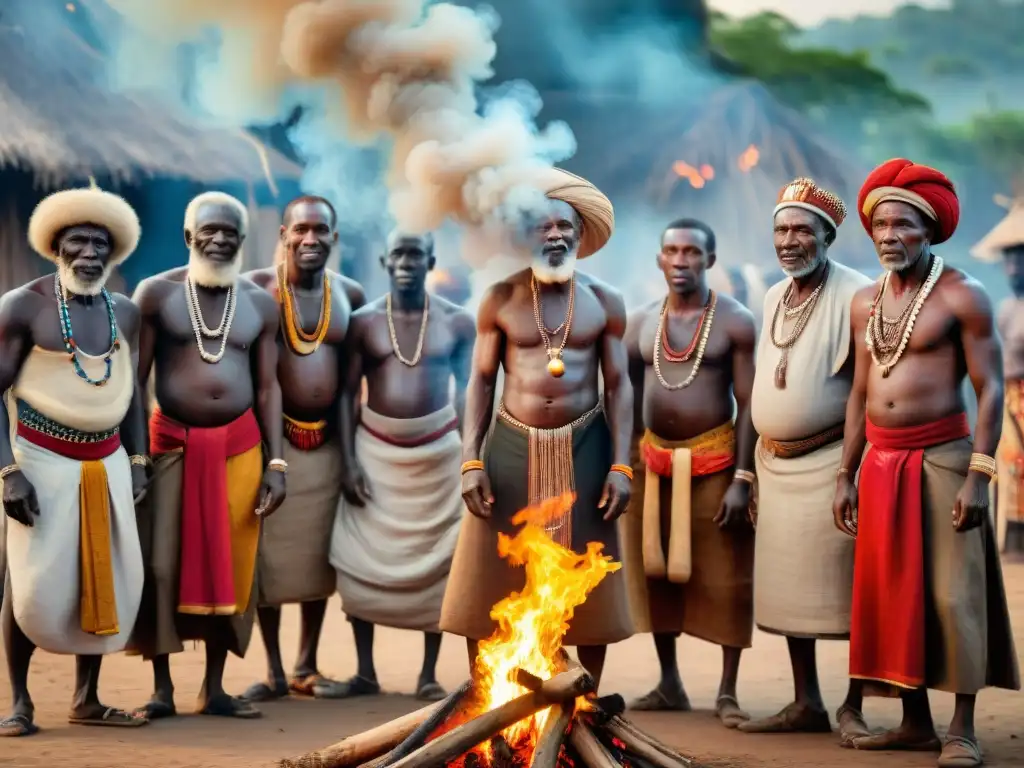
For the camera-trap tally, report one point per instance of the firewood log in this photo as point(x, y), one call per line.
point(564, 687)
point(361, 747)
point(545, 755)
point(660, 746)
point(638, 744)
point(591, 751)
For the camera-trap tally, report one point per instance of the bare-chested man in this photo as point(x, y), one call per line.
point(294, 558)
point(690, 353)
point(399, 521)
point(74, 462)
point(1006, 241)
point(803, 567)
point(217, 399)
point(553, 331)
point(929, 608)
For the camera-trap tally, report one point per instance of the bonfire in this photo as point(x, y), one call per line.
point(528, 703)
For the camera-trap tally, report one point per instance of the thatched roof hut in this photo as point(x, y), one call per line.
point(60, 125)
point(727, 167)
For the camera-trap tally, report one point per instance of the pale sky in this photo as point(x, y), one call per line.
point(811, 12)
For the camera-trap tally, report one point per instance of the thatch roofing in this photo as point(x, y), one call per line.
point(1008, 233)
point(59, 122)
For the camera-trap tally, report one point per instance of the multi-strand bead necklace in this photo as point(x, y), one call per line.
point(199, 325)
point(69, 337)
point(887, 339)
point(699, 342)
point(802, 312)
point(302, 343)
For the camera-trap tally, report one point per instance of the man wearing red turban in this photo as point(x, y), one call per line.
point(929, 607)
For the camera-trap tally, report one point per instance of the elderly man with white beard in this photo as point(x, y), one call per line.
point(75, 460)
point(803, 573)
point(552, 330)
point(217, 400)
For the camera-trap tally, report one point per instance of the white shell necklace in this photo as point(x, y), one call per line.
point(199, 327)
point(875, 320)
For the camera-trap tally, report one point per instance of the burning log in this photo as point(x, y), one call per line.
point(642, 745)
point(550, 743)
point(589, 747)
point(358, 748)
point(560, 688)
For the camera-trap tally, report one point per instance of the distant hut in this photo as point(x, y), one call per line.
point(59, 126)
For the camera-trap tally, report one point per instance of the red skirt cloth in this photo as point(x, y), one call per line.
point(887, 632)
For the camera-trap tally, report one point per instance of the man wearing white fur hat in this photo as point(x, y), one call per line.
point(217, 401)
point(73, 462)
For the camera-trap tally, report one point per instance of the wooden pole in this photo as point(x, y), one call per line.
point(361, 747)
point(638, 744)
point(563, 687)
point(545, 755)
point(660, 746)
point(591, 751)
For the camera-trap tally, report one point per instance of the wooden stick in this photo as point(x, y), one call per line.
point(564, 687)
point(591, 751)
point(361, 747)
point(641, 747)
point(645, 736)
point(545, 755)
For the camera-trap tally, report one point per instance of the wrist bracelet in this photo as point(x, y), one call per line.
point(278, 465)
point(139, 460)
point(624, 469)
point(472, 465)
point(986, 465)
point(10, 469)
point(744, 476)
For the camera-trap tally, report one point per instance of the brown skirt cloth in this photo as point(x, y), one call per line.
point(160, 629)
point(969, 640)
point(294, 557)
point(479, 578)
point(717, 603)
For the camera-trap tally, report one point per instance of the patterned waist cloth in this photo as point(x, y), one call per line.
point(712, 451)
point(305, 435)
point(794, 449)
point(66, 441)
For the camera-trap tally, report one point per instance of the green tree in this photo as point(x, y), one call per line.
point(809, 79)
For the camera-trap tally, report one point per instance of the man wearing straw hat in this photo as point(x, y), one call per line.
point(1006, 243)
point(72, 450)
point(552, 330)
point(690, 561)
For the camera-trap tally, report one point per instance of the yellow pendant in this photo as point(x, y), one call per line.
point(556, 367)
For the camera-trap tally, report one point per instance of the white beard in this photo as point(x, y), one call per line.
point(549, 275)
point(803, 271)
point(213, 274)
point(898, 266)
point(71, 283)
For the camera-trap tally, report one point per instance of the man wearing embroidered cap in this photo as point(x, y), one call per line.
point(551, 329)
point(73, 464)
point(803, 567)
point(929, 608)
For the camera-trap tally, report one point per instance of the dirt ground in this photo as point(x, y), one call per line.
point(295, 726)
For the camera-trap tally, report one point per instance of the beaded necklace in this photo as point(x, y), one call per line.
point(703, 333)
point(423, 333)
point(884, 353)
point(556, 366)
point(69, 337)
point(302, 343)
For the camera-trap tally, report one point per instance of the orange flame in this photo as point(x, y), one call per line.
point(532, 622)
point(697, 177)
point(748, 159)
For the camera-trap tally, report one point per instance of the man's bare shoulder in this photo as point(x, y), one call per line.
point(124, 304)
point(860, 304)
point(261, 299)
point(962, 293)
point(19, 305)
point(462, 321)
point(371, 311)
point(645, 311)
point(611, 298)
point(355, 292)
point(151, 292)
point(263, 277)
point(501, 291)
point(737, 317)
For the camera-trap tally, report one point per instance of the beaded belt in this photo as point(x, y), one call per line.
point(305, 435)
point(794, 449)
point(36, 421)
point(511, 420)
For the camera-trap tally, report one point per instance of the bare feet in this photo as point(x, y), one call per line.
point(902, 739)
point(960, 752)
point(727, 709)
point(109, 717)
point(851, 725)
point(665, 698)
point(795, 718)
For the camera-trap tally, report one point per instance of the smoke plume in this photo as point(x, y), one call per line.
point(397, 74)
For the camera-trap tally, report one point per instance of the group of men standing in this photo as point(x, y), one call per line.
point(310, 442)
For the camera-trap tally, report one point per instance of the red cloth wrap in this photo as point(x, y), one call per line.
point(887, 625)
point(207, 582)
point(934, 186)
point(659, 461)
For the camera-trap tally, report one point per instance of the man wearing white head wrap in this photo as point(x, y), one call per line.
point(552, 434)
point(74, 573)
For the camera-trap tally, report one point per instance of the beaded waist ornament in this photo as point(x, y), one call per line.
point(34, 420)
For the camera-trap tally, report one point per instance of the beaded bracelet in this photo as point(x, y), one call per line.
point(624, 469)
point(138, 460)
point(9, 470)
point(744, 476)
point(471, 465)
point(986, 465)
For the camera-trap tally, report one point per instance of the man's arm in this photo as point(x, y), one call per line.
point(15, 343)
point(854, 439)
point(637, 367)
point(462, 361)
point(487, 355)
point(351, 388)
point(982, 353)
point(264, 374)
point(354, 291)
point(133, 426)
point(618, 392)
point(744, 344)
